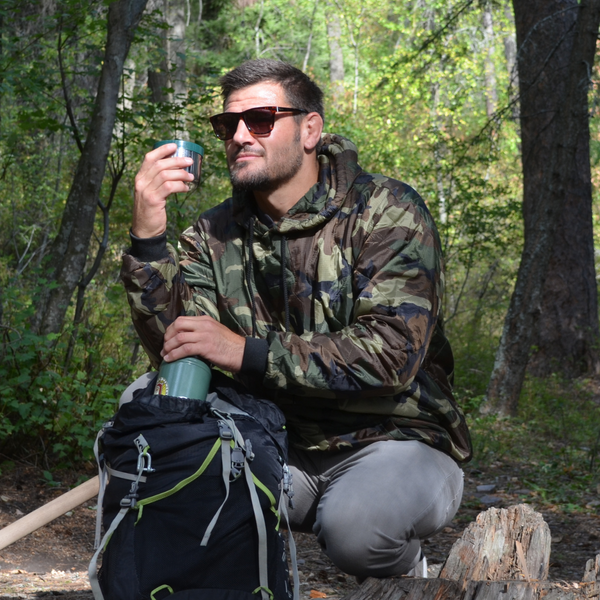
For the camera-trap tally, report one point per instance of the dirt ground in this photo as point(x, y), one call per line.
point(52, 561)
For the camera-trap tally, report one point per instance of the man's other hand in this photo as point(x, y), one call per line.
point(160, 175)
point(206, 338)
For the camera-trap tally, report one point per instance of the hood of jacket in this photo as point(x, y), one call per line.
point(338, 168)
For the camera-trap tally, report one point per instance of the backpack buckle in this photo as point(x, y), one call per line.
point(144, 464)
point(225, 432)
point(287, 484)
point(237, 462)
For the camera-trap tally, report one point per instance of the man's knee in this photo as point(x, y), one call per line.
point(371, 517)
point(358, 548)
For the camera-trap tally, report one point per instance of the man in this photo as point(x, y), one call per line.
point(319, 286)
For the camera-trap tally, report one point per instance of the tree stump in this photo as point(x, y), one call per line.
point(512, 543)
point(503, 555)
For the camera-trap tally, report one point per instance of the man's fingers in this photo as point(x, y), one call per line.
point(204, 337)
point(160, 175)
point(167, 169)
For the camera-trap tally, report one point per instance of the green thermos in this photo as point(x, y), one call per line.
point(185, 378)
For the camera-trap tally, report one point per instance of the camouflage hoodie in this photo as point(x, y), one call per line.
point(340, 302)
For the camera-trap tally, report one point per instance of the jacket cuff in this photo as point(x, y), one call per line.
point(254, 361)
point(149, 249)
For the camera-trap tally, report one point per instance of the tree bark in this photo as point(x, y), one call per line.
point(336, 55)
point(491, 94)
point(159, 79)
point(510, 53)
point(554, 304)
point(176, 49)
point(69, 251)
point(501, 544)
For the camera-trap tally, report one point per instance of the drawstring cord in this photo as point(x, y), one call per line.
point(249, 277)
point(283, 284)
point(249, 274)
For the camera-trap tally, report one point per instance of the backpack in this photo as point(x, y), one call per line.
point(194, 498)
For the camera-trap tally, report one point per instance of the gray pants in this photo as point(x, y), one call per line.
point(369, 508)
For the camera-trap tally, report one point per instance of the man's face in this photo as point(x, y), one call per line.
point(263, 163)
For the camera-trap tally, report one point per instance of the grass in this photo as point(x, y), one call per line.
point(552, 445)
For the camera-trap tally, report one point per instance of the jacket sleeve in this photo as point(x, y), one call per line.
point(397, 286)
point(157, 291)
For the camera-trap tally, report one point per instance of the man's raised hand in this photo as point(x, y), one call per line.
point(160, 175)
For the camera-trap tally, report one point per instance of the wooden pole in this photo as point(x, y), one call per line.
point(44, 514)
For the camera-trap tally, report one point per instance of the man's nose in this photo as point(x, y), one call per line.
point(242, 135)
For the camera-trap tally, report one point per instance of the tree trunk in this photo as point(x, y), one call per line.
point(159, 79)
point(554, 304)
point(510, 53)
point(176, 49)
point(501, 544)
point(69, 251)
point(336, 55)
point(491, 95)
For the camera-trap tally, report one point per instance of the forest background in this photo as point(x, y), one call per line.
point(430, 93)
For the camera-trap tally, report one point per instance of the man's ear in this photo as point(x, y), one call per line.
point(312, 127)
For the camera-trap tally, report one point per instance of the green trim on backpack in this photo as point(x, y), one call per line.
point(139, 516)
point(160, 587)
point(264, 589)
point(269, 495)
point(183, 482)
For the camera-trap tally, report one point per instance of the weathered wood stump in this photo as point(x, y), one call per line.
point(503, 555)
point(500, 544)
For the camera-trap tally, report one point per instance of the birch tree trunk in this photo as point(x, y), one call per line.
point(336, 55)
point(69, 251)
point(510, 53)
point(491, 94)
point(554, 301)
point(159, 77)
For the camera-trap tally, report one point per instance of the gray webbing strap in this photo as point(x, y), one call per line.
point(296, 578)
point(124, 475)
point(261, 527)
point(128, 502)
point(226, 461)
point(102, 477)
point(93, 567)
point(263, 571)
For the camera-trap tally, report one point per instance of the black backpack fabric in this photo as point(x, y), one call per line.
point(192, 506)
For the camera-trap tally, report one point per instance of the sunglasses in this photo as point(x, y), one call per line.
point(259, 121)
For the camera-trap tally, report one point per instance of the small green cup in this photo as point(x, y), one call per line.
point(190, 150)
point(185, 378)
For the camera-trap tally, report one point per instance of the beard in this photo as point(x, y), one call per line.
point(281, 168)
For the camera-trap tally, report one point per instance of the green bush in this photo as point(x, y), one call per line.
point(552, 445)
point(52, 405)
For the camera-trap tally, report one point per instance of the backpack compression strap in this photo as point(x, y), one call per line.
point(236, 461)
point(144, 465)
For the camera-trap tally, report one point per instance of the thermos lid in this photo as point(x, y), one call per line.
point(183, 144)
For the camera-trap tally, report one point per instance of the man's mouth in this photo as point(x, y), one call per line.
point(244, 154)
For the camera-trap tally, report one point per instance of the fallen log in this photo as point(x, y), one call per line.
point(405, 588)
point(503, 555)
point(44, 514)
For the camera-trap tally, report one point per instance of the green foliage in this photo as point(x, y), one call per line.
point(553, 445)
point(413, 100)
point(47, 407)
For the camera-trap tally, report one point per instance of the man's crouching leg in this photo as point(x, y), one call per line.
point(375, 504)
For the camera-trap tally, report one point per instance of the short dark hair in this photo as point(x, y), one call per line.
point(300, 90)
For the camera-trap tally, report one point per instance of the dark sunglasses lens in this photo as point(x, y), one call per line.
point(259, 120)
point(224, 125)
